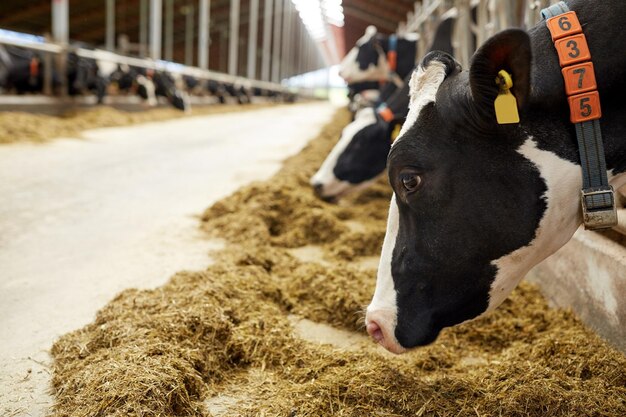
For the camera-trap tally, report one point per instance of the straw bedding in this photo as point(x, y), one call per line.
point(28, 127)
point(222, 342)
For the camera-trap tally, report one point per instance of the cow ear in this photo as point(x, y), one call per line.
point(370, 32)
point(510, 51)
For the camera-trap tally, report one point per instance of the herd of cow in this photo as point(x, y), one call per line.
point(476, 203)
point(22, 71)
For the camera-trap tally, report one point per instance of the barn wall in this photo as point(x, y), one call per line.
point(589, 276)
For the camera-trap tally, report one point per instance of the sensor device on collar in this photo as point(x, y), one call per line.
point(597, 196)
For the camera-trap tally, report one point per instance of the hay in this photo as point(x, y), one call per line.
point(221, 339)
point(37, 128)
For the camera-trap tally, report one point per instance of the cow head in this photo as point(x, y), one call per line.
point(366, 61)
point(146, 89)
point(475, 204)
point(358, 157)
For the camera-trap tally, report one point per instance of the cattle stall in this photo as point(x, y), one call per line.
point(292, 208)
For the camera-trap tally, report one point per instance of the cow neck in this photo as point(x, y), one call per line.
point(391, 55)
point(597, 196)
point(394, 106)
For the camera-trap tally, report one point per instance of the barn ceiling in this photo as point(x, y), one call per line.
point(87, 21)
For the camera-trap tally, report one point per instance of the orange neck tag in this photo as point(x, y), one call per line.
point(34, 67)
point(578, 72)
point(392, 59)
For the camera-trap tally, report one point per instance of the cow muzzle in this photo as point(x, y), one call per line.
point(380, 326)
point(319, 190)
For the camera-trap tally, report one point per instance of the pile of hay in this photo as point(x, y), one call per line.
point(29, 127)
point(221, 341)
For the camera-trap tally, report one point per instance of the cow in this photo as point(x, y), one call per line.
point(165, 86)
point(373, 60)
point(84, 76)
point(477, 204)
point(360, 155)
point(368, 62)
point(24, 72)
point(369, 59)
point(150, 84)
point(217, 89)
point(135, 80)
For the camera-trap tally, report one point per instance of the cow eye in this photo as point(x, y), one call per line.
point(411, 181)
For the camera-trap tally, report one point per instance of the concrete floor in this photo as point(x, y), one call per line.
point(81, 220)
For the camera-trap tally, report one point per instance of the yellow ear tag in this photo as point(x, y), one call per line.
point(505, 104)
point(396, 132)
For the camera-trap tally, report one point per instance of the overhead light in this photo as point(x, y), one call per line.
point(315, 14)
point(333, 11)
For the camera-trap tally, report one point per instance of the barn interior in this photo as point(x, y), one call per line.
point(167, 253)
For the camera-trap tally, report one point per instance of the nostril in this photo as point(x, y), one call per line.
point(374, 330)
point(318, 188)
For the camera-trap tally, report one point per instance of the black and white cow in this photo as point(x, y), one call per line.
point(24, 73)
point(134, 80)
point(165, 86)
point(368, 59)
point(475, 204)
point(360, 155)
point(367, 65)
point(84, 75)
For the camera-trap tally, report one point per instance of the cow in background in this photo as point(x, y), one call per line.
point(165, 86)
point(360, 155)
point(24, 72)
point(376, 58)
point(134, 80)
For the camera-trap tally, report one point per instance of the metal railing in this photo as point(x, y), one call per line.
point(491, 16)
point(49, 49)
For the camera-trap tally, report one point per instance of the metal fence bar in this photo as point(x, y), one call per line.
point(203, 34)
point(61, 34)
point(110, 25)
point(462, 33)
point(155, 28)
point(278, 11)
point(267, 40)
point(168, 47)
point(189, 12)
point(253, 28)
point(108, 56)
point(284, 61)
point(490, 16)
point(233, 42)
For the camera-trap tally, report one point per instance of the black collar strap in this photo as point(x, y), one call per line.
point(392, 61)
point(597, 196)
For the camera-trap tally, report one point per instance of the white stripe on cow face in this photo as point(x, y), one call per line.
point(561, 219)
point(385, 293)
point(150, 89)
point(325, 176)
point(424, 84)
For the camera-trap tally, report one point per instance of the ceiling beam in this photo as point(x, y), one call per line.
point(21, 13)
point(391, 12)
point(381, 23)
